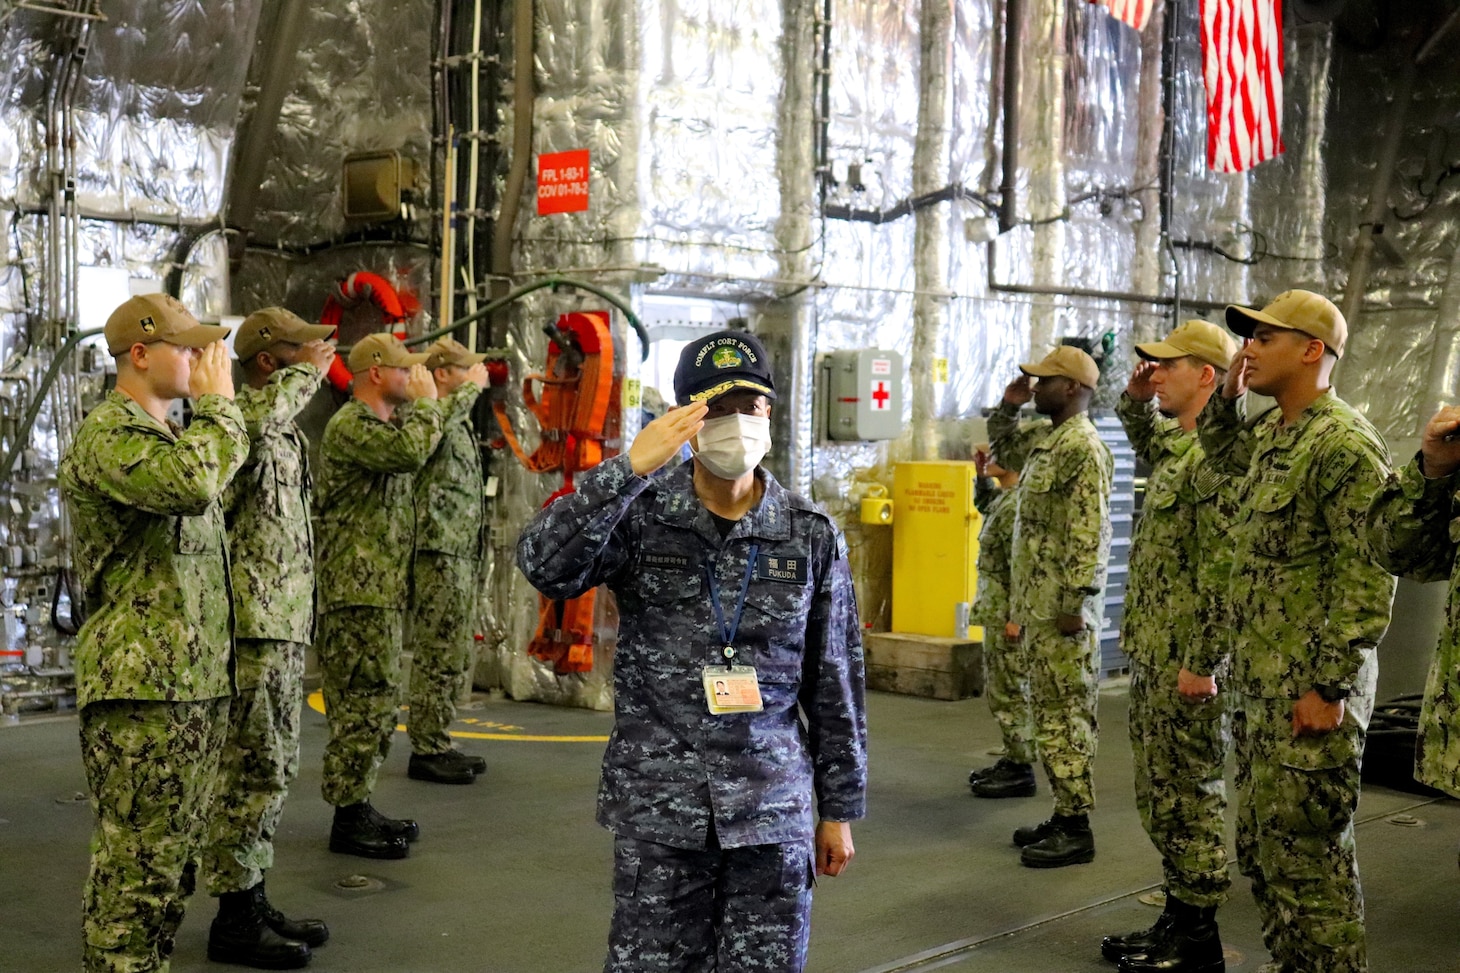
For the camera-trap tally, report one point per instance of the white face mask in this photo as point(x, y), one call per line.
point(731, 446)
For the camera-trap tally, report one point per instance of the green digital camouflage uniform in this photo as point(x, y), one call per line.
point(366, 531)
point(1308, 604)
point(1180, 561)
point(1058, 556)
point(1414, 531)
point(271, 544)
point(153, 661)
point(1007, 685)
point(448, 495)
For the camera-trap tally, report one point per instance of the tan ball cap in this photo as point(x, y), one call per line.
point(1069, 362)
point(265, 327)
point(1313, 314)
point(1198, 339)
point(382, 348)
point(157, 317)
point(449, 351)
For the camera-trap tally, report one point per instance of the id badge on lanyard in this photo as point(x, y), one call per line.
point(730, 688)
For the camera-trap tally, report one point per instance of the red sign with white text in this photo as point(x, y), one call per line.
point(562, 182)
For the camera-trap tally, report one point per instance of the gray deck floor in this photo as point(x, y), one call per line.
point(512, 876)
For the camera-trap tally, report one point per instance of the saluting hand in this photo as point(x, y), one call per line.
point(1440, 445)
point(1020, 391)
point(319, 353)
point(477, 375)
point(1140, 387)
point(1236, 383)
point(420, 384)
point(212, 373)
point(657, 442)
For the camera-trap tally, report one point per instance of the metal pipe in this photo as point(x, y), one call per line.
point(1129, 297)
point(1013, 52)
point(930, 236)
point(255, 140)
point(1358, 274)
point(523, 97)
point(794, 230)
point(1430, 45)
point(1168, 147)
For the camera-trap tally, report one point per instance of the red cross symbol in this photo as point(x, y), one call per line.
point(881, 397)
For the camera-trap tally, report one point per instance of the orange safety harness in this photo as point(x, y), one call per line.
point(578, 389)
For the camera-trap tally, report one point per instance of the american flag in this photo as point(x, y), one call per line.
point(1242, 65)
point(1133, 12)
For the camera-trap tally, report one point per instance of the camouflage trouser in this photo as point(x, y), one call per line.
point(726, 910)
point(1180, 752)
point(359, 654)
point(442, 610)
point(1007, 687)
point(1063, 690)
point(151, 768)
point(259, 760)
point(1295, 834)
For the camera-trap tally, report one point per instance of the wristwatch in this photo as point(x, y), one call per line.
point(1333, 694)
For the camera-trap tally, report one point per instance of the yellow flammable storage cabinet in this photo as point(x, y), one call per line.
point(934, 547)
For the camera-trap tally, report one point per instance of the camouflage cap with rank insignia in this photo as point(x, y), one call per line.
point(384, 349)
point(722, 362)
point(271, 325)
point(157, 317)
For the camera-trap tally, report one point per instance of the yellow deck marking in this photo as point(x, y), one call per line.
point(316, 703)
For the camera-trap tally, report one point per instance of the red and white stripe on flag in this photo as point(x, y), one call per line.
point(1133, 12)
point(1242, 65)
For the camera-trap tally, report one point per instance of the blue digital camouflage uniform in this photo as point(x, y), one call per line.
point(1007, 669)
point(1060, 548)
point(1180, 562)
point(153, 660)
point(682, 789)
point(366, 529)
point(1308, 604)
point(271, 542)
point(448, 496)
point(1414, 531)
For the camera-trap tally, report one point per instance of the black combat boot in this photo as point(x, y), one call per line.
point(1142, 940)
point(1191, 945)
point(240, 936)
point(1069, 841)
point(399, 827)
point(477, 765)
point(1029, 834)
point(1006, 778)
point(311, 932)
point(355, 832)
point(439, 768)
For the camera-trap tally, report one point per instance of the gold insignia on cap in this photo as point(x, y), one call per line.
point(376, 357)
point(265, 333)
point(147, 325)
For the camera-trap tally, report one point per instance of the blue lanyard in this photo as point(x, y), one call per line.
point(727, 632)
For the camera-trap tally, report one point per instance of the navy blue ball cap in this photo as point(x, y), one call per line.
point(722, 362)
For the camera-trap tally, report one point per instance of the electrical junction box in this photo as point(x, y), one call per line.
point(863, 394)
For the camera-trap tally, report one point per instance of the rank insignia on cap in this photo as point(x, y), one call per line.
point(376, 357)
point(727, 358)
point(265, 333)
point(147, 325)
